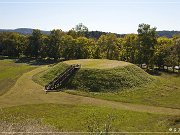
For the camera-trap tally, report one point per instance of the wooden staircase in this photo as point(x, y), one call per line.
point(62, 78)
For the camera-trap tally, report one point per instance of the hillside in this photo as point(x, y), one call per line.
point(25, 31)
point(90, 34)
point(98, 75)
point(166, 33)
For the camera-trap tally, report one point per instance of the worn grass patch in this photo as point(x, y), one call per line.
point(97, 63)
point(10, 72)
point(88, 118)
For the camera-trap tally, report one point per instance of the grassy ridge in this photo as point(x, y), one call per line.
point(109, 79)
point(88, 118)
point(98, 78)
point(9, 73)
point(45, 77)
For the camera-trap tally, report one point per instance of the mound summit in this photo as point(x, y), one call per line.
point(98, 75)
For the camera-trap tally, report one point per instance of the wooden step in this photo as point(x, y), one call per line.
point(59, 80)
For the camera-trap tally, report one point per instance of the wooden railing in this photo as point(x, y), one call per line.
point(62, 78)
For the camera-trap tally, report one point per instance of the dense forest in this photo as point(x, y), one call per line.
point(78, 43)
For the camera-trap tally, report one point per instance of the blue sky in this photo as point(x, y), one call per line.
point(120, 16)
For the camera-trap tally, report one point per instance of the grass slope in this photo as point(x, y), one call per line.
point(10, 72)
point(99, 75)
point(46, 76)
point(164, 92)
point(88, 118)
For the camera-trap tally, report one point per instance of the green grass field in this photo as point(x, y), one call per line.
point(88, 118)
point(10, 72)
point(25, 107)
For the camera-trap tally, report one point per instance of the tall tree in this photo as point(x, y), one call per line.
point(177, 51)
point(147, 41)
point(108, 45)
point(12, 44)
point(43, 53)
point(35, 42)
point(81, 30)
point(72, 33)
point(55, 46)
point(84, 48)
point(162, 51)
point(68, 47)
point(129, 50)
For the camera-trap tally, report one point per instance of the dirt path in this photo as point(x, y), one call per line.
point(25, 91)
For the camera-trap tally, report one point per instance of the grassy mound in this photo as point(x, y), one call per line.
point(99, 75)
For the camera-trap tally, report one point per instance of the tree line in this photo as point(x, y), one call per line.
point(142, 48)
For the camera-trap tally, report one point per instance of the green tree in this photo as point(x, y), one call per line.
point(162, 51)
point(108, 46)
point(84, 48)
point(172, 58)
point(43, 53)
point(147, 40)
point(72, 33)
point(81, 30)
point(35, 42)
point(12, 44)
point(177, 51)
point(129, 48)
point(55, 44)
point(68, 47)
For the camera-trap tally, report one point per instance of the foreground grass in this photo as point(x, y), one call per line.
point(164, 92)
point(10, 72)
point(88, 118)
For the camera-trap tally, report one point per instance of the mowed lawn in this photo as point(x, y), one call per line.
point(10, 72)
point(164, 92)
point(97, 63)
point(85, 118)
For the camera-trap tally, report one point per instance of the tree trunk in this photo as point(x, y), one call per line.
point(179, 66)
point(147, 66)
point(173, 69)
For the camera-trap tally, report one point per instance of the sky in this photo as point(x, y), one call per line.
point(117, 16)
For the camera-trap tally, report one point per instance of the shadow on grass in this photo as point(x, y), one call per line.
point(158, 72)
point(153, 72)
point(37, 62)
point(32, 61)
